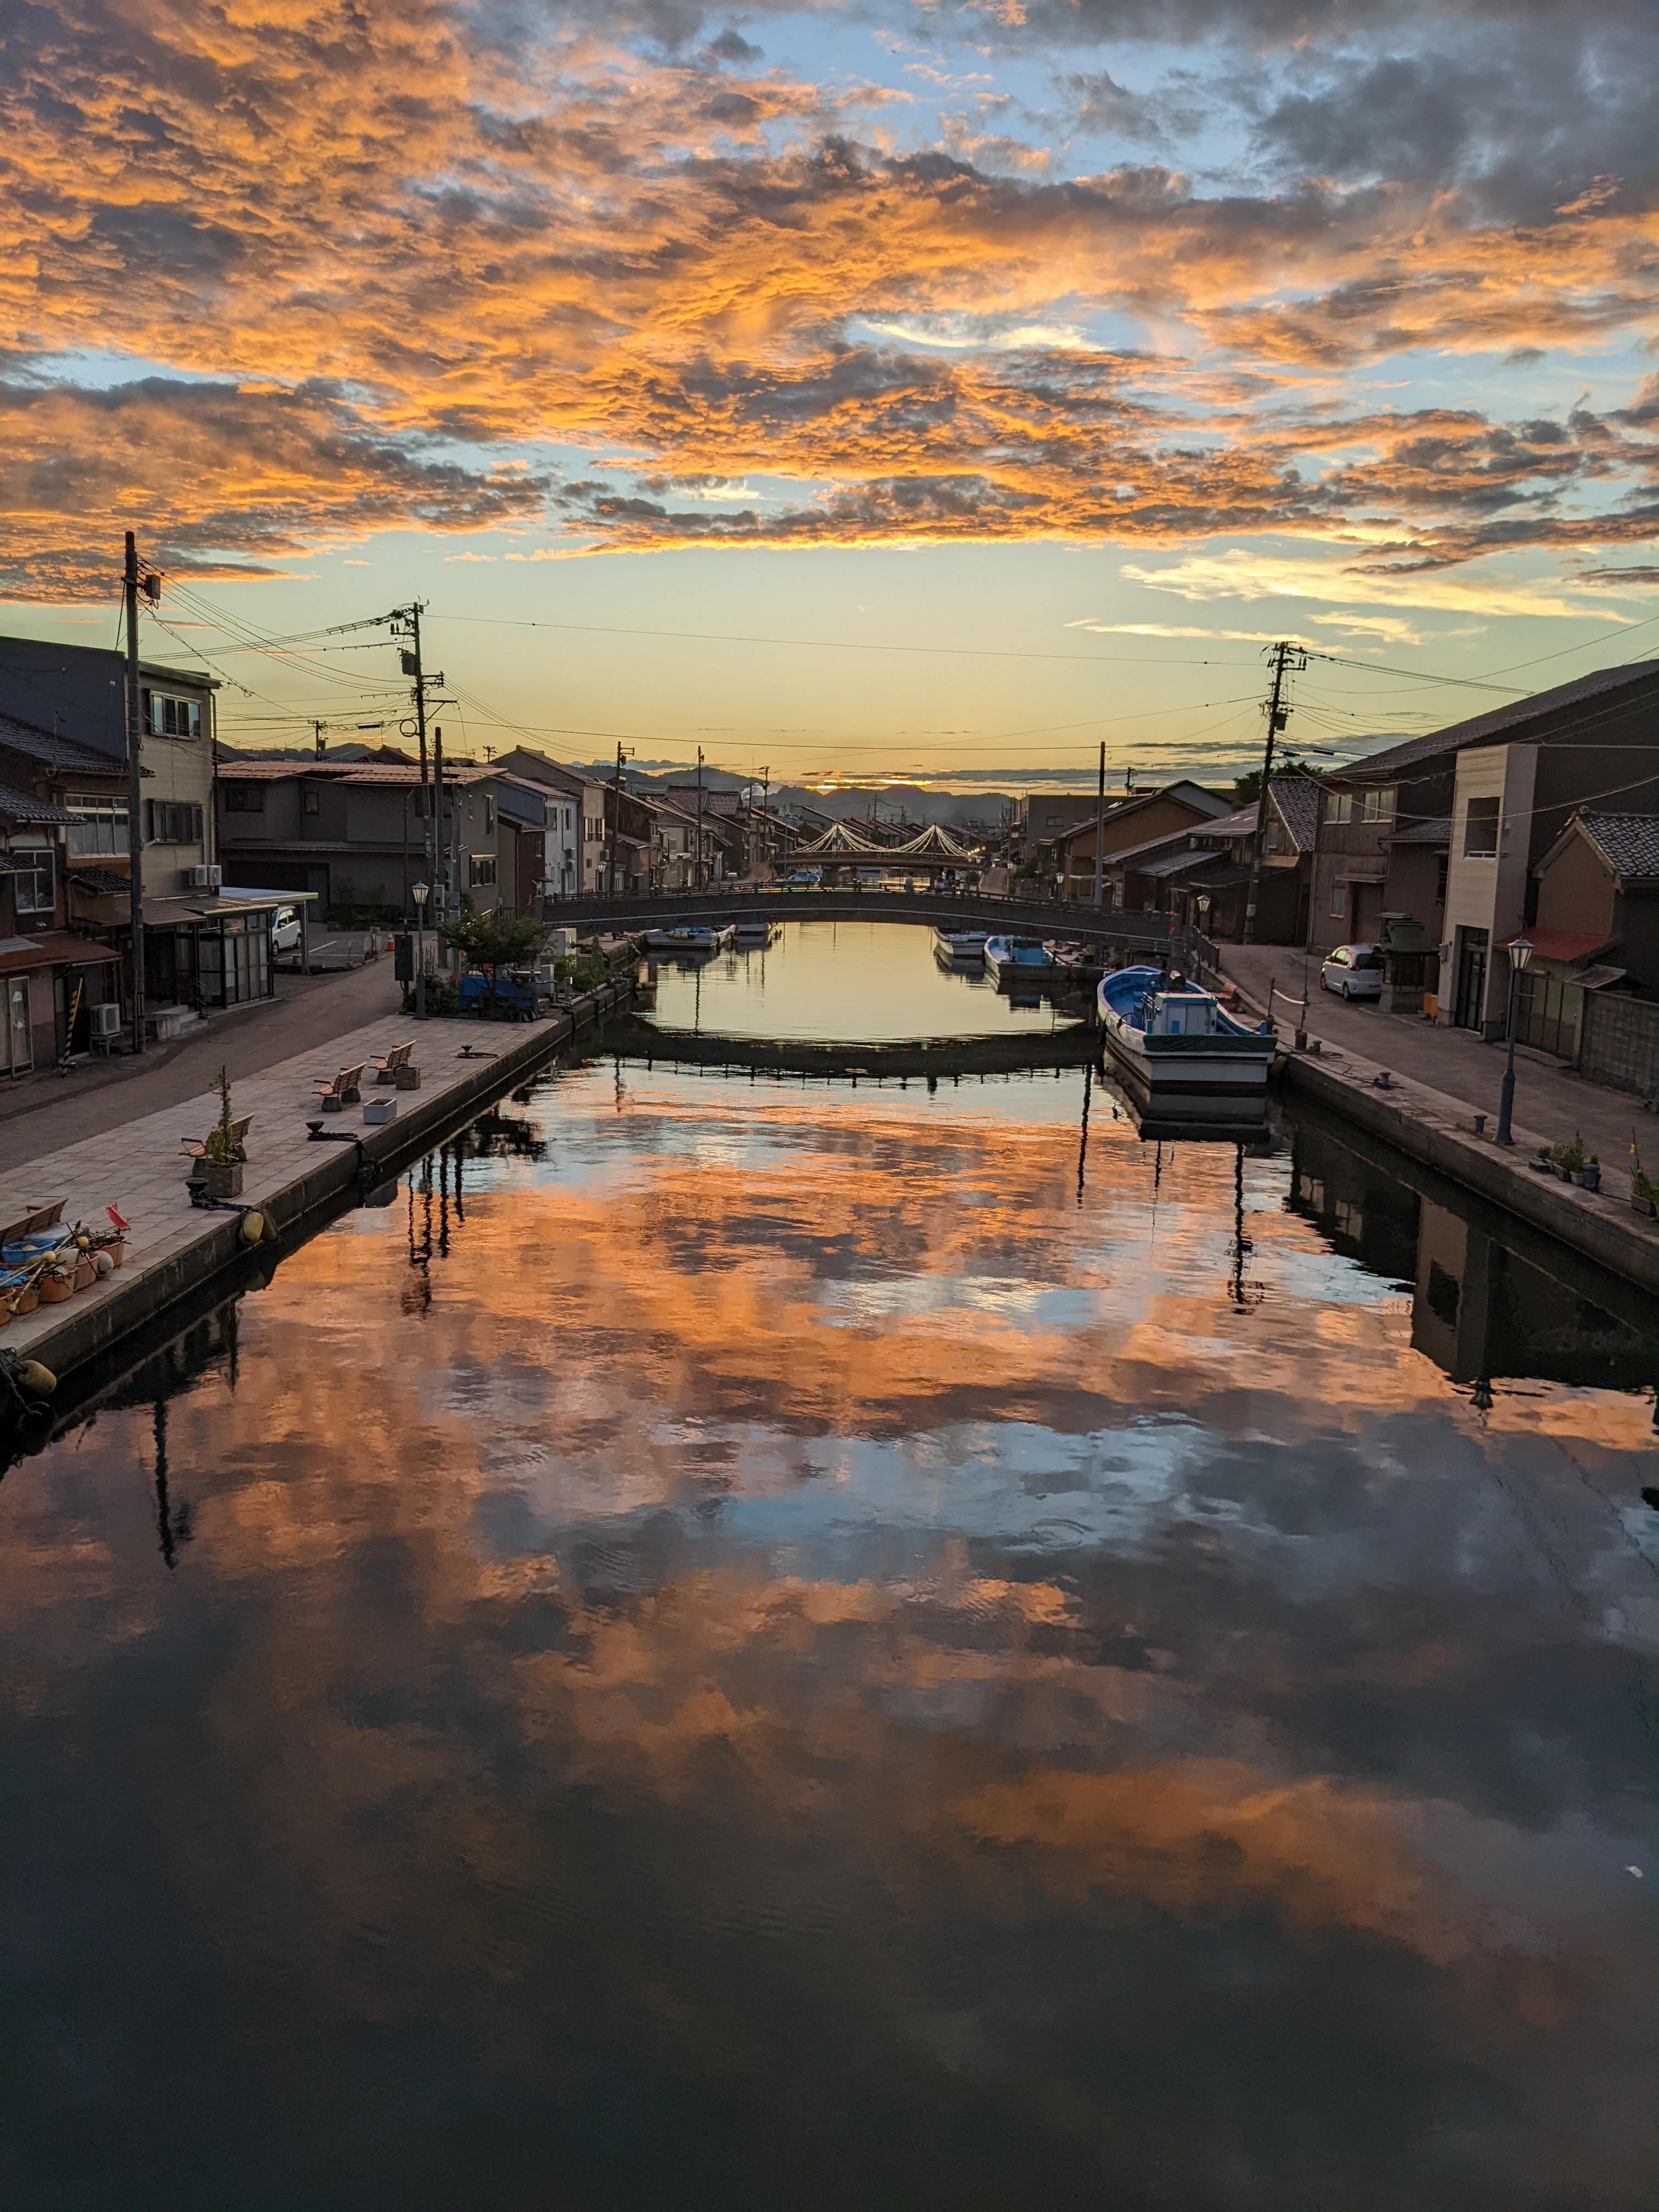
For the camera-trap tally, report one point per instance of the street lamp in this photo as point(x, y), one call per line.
point(420, 891)
point(1520, 953)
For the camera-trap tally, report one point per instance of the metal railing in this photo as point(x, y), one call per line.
point(999, 910)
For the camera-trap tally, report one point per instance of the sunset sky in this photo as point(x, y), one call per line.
point(1065, 350)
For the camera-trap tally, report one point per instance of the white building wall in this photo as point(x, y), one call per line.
point(1489, 892)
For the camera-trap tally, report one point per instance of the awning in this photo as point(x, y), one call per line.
point(54, 948)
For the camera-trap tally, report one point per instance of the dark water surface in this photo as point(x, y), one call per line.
point(744, 1648)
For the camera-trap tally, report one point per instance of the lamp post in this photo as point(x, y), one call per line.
point(420, 891)
point(1520, 953)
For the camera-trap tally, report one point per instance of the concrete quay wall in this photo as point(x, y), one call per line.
point(1438, 1132)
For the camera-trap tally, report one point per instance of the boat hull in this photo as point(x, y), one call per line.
point(1191, 1079)
point(958, 948)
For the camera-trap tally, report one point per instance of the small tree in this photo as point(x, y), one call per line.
point(221, 1146)
point(496, 940)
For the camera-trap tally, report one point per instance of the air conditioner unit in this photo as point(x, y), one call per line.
point(207, 878)
point(105, 1020)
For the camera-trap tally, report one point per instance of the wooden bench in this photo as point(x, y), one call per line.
point(196, 1147)
point(343, 1090)
point(387, 1071)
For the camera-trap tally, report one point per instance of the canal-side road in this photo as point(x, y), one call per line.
point(48, 1110)
point(140, 1168)
point(1552, 1105)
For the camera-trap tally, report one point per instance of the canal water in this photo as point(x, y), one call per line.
point(865, 981)
point(744, 1645)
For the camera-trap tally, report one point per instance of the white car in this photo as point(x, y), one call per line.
point(285, 929)
point(1353, 971)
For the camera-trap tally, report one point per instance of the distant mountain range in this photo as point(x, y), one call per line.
point(896, 802)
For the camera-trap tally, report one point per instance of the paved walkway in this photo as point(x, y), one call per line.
point(139, 1166)
point(1551, 1102)
point(48, 1110)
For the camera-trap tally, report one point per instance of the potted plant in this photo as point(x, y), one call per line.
point(1569, 1158)
point(222, 1161)
point(1588, 1177)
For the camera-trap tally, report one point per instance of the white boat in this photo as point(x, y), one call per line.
point(695, 939)
point(755, 930)
point(1178, 1051)
point(1018, 959)
point(959, 948)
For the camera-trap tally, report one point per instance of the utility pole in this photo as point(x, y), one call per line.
point(134, 799)
point(1100, 829)
point(442, 878)
point(616, 817)
point(1286, 660)
point(766, 815)
point(407, 620)
point(702, 883)
point(322, 741)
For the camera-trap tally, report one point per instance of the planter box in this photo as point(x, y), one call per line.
point(380, 1109)
point(222, 1180)
point(407, 1078)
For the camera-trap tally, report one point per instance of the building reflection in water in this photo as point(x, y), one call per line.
point(1489, 1298)
point(744, 1647)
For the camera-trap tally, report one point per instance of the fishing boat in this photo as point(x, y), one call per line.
point(1017, 959)
point(1178, 1051)
point(959, 948)
point(690, 940)
point(755, 930)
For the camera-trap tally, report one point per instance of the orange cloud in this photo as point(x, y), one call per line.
point(395, 245)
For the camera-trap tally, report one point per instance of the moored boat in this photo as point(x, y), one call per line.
point(692, 938)
point(1178, 1049)
point(753, 930)
point(959, 948)
point(1017, 959)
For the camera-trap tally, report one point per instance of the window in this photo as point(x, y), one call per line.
point(167, 715)
point(480, 869)
point(1480, 828)
point(1379, 804)
point(1339, 807)
point(33, 888)
point(314, 802)
point(173, 822)
point(245, 798)
point(489, 815)
point(1442, 868)
point(98, 823)
point(1339, 901)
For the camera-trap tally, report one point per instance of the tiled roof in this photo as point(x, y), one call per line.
point(1498, 725)
point(101, 883)
point(1568, 946)
point(1435, 832)
point(1628, 842)
point(24, 806)
point(53, 751)
point(1296, 802)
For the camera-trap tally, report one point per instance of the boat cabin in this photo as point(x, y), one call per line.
point(1181, 1013)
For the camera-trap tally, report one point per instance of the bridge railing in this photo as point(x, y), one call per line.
point(999, 910)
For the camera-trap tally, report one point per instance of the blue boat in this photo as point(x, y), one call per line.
point(1178, 1051)
point(1018, 959)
